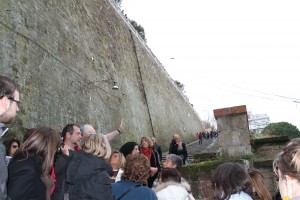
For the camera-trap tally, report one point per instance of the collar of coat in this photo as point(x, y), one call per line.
point(164, 185)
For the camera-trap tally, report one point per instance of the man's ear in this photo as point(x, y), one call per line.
point(68, 134)
point(4, 102)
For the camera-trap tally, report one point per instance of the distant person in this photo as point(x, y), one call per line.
point(171, 187)
point(231, 181)
point(179, 148)
point(87, 174)
point(157, 148)
point(12, 146)
point(172, 143)
point(29, 171)
point(286, 166)
point(132, 186)
point(129, 148)
point(260, 188)
point(199, 136)
point(9, 106)
point(88, 129)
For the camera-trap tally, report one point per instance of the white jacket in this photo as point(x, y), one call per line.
point(173, 191)
point(240, 196)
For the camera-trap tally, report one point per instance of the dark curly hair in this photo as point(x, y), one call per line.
point(136, 169)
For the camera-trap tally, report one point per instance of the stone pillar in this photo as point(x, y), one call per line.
point(234, 135)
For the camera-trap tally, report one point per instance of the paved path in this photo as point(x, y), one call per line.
point(207, 146)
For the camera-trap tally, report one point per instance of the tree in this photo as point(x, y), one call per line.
point(281, 129)
point(139, 29)
point(118, 2)
point(180, 86)
point(210, 124)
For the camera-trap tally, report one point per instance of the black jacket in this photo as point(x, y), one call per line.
point(158, 149)
point(60, 168)
point(174, 150)
point(87, 178)
point(154, 162)
point(24, 180)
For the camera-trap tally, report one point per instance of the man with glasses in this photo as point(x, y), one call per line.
point(9, 106)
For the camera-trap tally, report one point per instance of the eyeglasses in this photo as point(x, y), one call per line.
point(12, 99)
point(15, 146)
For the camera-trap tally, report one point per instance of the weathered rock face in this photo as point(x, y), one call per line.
point(56, 50)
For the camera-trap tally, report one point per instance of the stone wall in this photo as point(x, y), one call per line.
point(234, 137)
point(265, 150)
point(56, 50)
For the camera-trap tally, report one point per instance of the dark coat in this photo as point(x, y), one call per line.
point(154, 162)
point(87, 178)
point(182, 153)
point(137, 193)
point(60, 168)
point(3, 172)
point(157, 148)
point(24, 180)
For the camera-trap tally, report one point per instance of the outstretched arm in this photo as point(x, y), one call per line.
point(113, 134)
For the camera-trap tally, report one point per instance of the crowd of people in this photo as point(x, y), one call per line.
point(76, 163)
point(79, 163)
point(206, 135)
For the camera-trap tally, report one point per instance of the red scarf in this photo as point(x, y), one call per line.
point(147, 152)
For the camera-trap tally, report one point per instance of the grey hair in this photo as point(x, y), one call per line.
point(176, 160)
point(85, 127)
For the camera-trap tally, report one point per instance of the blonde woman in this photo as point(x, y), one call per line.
point(87, 175)
point(117, 162)
point(177, 147)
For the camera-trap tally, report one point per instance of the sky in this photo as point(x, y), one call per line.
point(228, 52)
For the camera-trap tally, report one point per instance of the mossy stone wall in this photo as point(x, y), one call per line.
point(56, 50)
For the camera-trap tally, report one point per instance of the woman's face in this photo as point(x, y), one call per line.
point(115, 159)
point(13, 148)
point(145, 143)
point(135, 150)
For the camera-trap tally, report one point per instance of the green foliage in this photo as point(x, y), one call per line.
point(139, 29)
point(119, 2)
point(281, 129)
point(179, 85)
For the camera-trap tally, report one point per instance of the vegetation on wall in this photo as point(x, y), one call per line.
point(281, 129)
point(139, 29)
point(180, 86)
